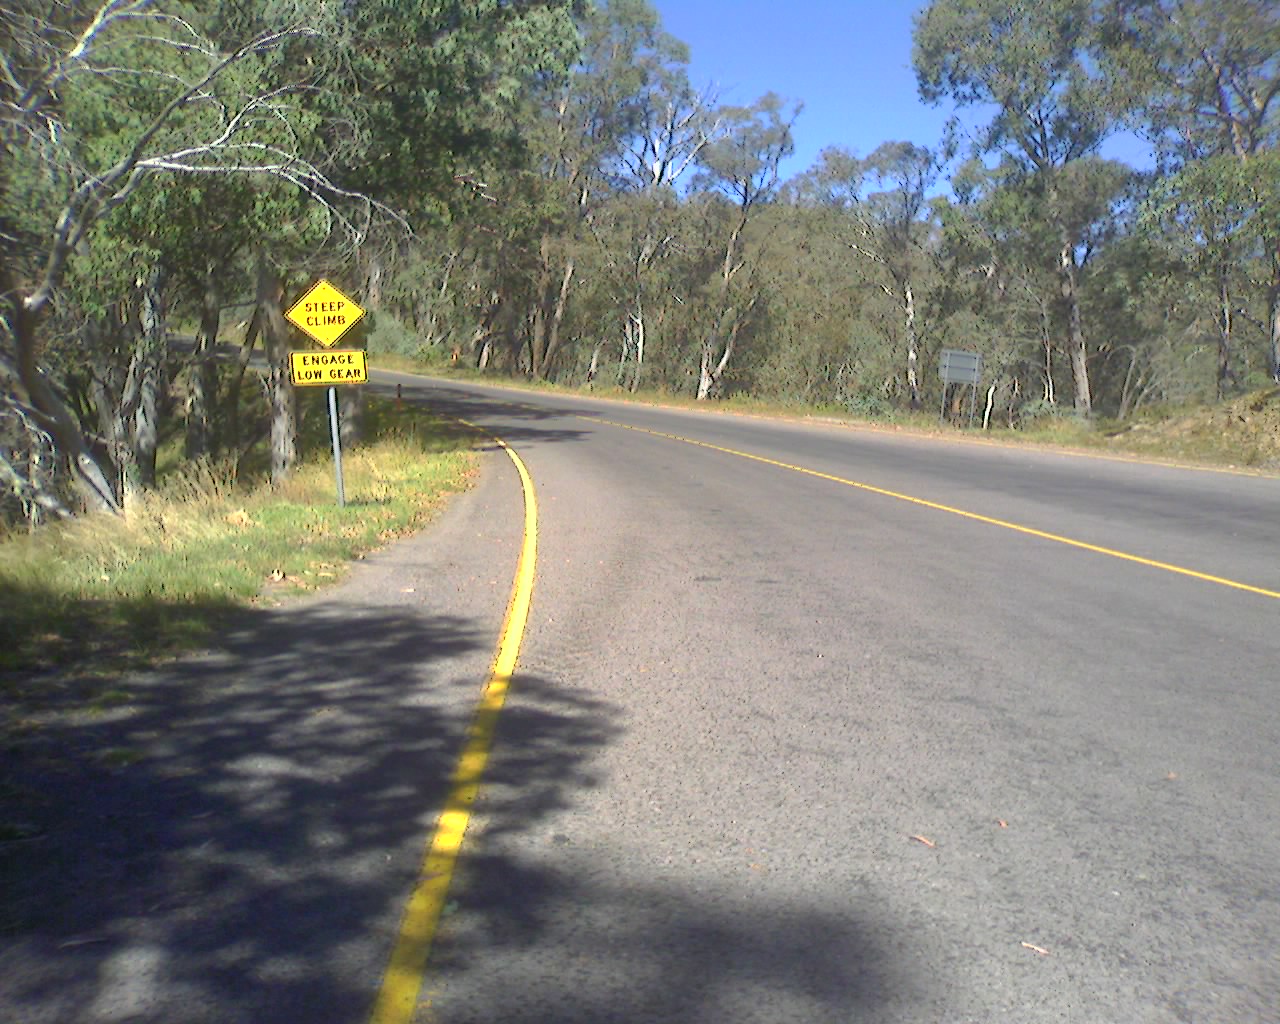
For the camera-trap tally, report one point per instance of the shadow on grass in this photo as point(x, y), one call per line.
point(42, 633)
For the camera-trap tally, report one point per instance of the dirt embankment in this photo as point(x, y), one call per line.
point(1243, 432)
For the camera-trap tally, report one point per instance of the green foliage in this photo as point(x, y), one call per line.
point(389, 335)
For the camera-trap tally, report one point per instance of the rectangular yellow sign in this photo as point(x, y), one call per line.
point(325, 369)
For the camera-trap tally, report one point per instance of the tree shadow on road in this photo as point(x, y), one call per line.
point(235, 840)
point(520, 421)
point(552, 922)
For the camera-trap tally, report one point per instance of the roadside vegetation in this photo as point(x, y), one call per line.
point(91, 597)
point(1241, 433)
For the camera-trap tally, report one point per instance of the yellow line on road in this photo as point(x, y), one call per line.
point(402, 982)
point(1004, 524)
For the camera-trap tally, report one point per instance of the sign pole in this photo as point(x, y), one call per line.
point(337, 444)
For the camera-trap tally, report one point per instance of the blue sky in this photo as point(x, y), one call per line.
point(848, 61)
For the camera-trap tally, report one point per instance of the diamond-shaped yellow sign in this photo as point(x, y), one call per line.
point(324, 313)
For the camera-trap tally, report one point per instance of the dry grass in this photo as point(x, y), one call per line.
point(102, 593)
point(1240, 434)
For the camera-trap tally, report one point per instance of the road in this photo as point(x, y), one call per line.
point(849, 757)
point(811, 724)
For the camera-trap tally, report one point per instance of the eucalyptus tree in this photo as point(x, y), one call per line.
point(641, 227)
point(1211, 214)
point(419, 110)
point(1030, 63)
point(101, 102)
point(738, 174)
point(576, 128)
point(884, 201)
point(1201, 79)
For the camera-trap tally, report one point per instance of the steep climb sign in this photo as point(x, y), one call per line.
point(324, 313)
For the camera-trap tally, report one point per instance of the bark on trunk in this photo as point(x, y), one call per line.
point(351, 415)
point(1225, 373)
point(709, 375)
point(637, 320)
point(127, 349)
point(90, 482)
point(728, 323)
point(284, 408)
point(1126, 390)
point(986, 411)
point(202, 396)
point(1046, 341)
point(913, 353)
point(1075, 330)
point(1274, 311)
point(154, 353)
point(548, 318)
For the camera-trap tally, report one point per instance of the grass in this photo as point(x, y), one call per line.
point(100, 595)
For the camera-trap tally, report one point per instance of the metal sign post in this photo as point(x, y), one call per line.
point(337, 445)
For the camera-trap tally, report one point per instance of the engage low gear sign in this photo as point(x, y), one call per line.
point(336, 366)
point(324, 313)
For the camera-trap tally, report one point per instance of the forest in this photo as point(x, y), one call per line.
point(537, 188)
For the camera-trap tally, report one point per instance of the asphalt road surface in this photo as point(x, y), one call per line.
point(853, 758)
point(864, 727)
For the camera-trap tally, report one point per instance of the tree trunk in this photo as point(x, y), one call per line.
point(351, 398)
point(232, 440)
point(1126, 390)
point(202, 396)
point(638, 336)
point(986, 411)
point(283, 402)
point(708, 375)
point(548, 318)
point(351, 415)
point(1273, 304)
point(1078, 346)
point(374, 273)
point(91, 484)
point(1224, 318)
point(126, 349)
point(913, 354)
point(153, 352)
point(1050, 391)
point(103, 340)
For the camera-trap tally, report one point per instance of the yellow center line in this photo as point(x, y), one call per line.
point(402, 981)
point(976, 517)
